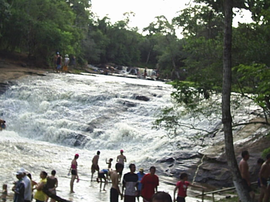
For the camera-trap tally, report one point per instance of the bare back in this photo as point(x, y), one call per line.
point(244, 170)
point(95, 160)
point(265, 170)
point(114, 178)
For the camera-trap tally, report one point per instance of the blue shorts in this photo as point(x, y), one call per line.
point(58, 67)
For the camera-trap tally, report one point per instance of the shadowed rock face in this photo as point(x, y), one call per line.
point(212, 161)
point(4, 87)
point(141, 97)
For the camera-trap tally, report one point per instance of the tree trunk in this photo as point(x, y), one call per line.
point(226, 113)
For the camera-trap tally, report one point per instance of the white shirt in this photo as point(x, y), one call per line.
point(28, 188)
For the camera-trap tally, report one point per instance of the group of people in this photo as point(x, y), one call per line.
point(130, 186)
point(25, 189)
point(263, 176)
point(63, 66)
point(134, 185)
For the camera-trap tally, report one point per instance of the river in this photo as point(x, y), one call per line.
point(50, 118)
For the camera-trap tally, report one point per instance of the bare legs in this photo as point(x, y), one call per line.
point(73, 177)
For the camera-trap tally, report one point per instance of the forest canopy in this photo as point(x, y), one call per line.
point(40, 28)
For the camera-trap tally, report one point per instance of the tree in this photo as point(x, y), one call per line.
point(169, 47)
point(226, 103)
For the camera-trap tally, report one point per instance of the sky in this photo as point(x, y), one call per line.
point(145, 10)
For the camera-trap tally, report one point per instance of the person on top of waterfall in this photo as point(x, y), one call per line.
point(2, 124)
point(182, 187)
point(95, 166)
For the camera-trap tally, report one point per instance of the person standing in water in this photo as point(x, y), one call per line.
point(130, 184)
point(140, 176)
point(95, 166)
point(115, 191)
point(74, 172)
point(40, 196)
point(109, 163)
point(150, 182)
point(19, 188)
point(52, 184)
point(121, 159)
point(4, 193)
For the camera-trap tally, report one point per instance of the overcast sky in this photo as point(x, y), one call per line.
point(145, 10)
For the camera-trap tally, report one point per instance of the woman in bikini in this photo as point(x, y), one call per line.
point(74, 172)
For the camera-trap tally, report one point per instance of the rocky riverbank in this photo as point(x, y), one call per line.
point(211, 167)
point(12, 70)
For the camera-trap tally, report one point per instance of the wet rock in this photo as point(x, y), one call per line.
point(4, 87)
point(141, 97)
point(166, 160)
point(129, 104)
point(79, 140)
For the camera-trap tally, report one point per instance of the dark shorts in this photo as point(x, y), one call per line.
point(101, 175)
point(264, 181)
point(94, 168)
point(181, 199)
point(114, 195)
point(247, 187)
point(129, 198)
point(74, 172)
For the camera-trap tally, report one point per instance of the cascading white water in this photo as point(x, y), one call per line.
point(50, 118)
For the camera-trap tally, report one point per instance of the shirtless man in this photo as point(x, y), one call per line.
point(121, 159)
point(244, 170)
point(264, 174)
point(115, 191)
point(95, 166)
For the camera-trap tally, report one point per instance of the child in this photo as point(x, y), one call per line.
point(182, 186)
point(109, 163)
point(4, 193)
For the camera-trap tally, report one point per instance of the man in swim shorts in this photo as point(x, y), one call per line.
point(95, 166)
point(115, 191)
